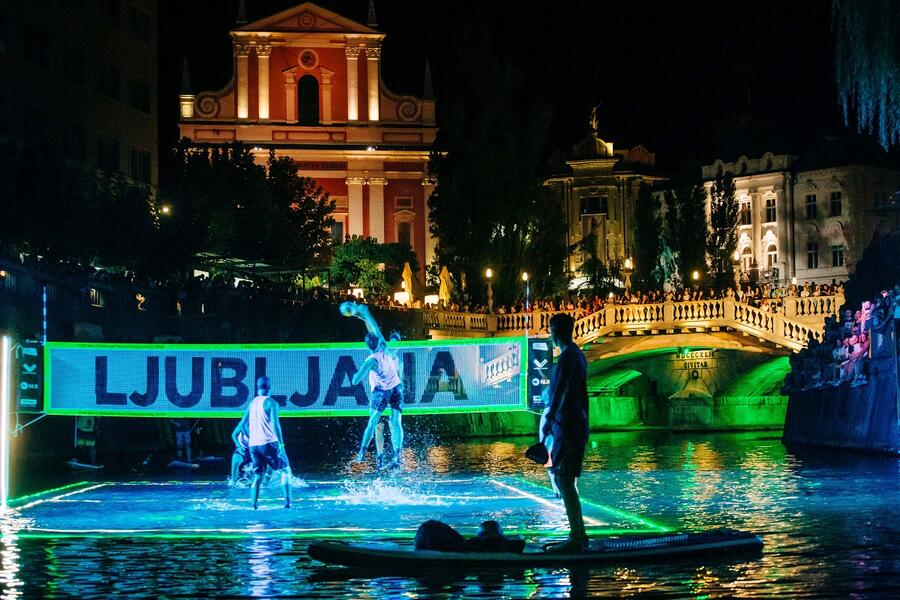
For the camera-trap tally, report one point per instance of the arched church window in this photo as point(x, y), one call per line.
point(308, 99)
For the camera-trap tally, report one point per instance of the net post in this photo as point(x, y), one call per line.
point(5, 381)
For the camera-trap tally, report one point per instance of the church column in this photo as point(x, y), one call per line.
point(326, 96)
point(243, 80)
point(781, 230)
point(372, 57)
point(290, 98)
point(355, 205)
point(262, 77)
point(376, 208)
point(428, 185)
point(352, 83)
point(759, 253)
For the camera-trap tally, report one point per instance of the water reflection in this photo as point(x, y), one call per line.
point(831, 526)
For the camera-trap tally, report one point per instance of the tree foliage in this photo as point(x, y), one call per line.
point(686, 223)
point(721, 242)
point(647, 246)
point(867, 65)
point(490, 208)
point(226, 204)
point(377, 268)
point(62, 209)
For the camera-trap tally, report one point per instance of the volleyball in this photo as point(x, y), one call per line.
point(348, 309)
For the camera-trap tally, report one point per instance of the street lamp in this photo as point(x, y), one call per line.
point(527, 306)
point(488, 275)
point(627, 270)
point(695, 276)
point(165, 209)
point(736, 267)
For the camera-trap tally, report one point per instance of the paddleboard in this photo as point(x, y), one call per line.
point(621, 548)
point(74, 464)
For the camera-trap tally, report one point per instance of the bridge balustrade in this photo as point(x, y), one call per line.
point(791, 326)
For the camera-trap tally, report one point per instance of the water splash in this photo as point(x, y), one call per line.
point(386, 493)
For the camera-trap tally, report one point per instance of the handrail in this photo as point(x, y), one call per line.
point(791, 326)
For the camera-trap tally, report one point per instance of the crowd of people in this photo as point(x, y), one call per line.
point(766, 297)
point(847, 345)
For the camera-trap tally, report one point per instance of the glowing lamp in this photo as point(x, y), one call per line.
point(525, 276)
point(488, 273)
point(628, 263)
point(695, 275)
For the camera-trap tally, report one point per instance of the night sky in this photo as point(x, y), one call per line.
point(688, 80)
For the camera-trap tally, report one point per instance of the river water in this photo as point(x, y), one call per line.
point(830, 523)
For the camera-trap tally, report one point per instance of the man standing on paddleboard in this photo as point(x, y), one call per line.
point(567, 422)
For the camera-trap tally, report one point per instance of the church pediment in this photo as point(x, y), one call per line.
point(308, 17)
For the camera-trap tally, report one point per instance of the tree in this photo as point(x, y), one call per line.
point(490, 208)
point(224, 203)
point(721, 242)
point(686, 223)
point(377, 268)
point(647, 250)
point(866, 65)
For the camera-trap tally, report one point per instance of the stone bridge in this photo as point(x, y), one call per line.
point(788, 328)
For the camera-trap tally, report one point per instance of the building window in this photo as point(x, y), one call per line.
point(770, 210)
point(745, 212)
point(36, 45)
point(772, 256)
point(337, 231)
point(837, 256)
point(141, 162)
point(308, 100)
point(746, 259)
point(594, 205)
point(836, 204)
point(812, 209)
point(97, 298)
point(403, 202)
point(109, 12)
point(139, 23)
point(108, 79)
point(35, 126)
point(108, 153)
point(139, 94)
point(812, 255)
point(73, 140)
point(404, 233)
point(74, 62)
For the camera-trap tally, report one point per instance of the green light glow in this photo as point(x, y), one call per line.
point(653, 527)
point(612, 380)
point(760, 381)
point(23, 499)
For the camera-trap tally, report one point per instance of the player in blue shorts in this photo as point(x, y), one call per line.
point(383, 370)
point(266, 440)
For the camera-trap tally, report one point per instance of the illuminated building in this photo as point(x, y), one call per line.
point(599, 194)
point(307, 84)
point(85, 81)
point(806, 217)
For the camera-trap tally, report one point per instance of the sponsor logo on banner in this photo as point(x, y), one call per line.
point(540, 361)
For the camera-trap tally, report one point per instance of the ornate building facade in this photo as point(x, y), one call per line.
point(599, 194)
point(307, 84)
point(805, 219)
